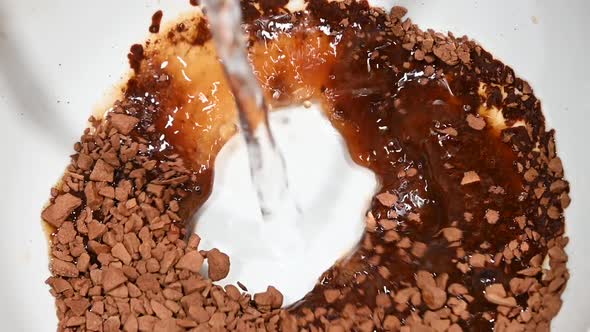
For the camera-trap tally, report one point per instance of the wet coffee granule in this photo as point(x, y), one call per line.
point(466, 232)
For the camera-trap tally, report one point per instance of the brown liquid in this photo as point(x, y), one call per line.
point(156, 20)
point(390, 116)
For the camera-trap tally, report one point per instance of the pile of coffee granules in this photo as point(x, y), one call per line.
point(466, 233)
point(119, 258)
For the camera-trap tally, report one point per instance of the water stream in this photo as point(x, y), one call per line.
point(267, 164)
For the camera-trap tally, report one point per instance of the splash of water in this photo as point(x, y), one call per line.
point(267, 165)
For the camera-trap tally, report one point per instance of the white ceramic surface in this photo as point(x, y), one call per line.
point(330, 192)
point(60, 59)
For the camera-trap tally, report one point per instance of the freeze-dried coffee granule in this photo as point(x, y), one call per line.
point(465, 234)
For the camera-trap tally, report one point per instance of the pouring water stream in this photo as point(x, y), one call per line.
point(267, 164)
